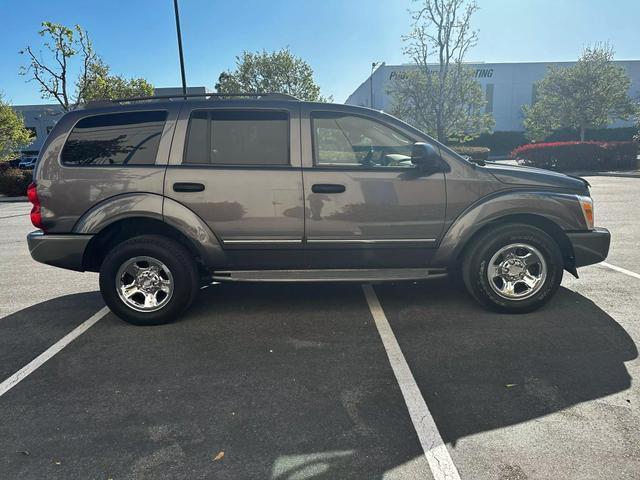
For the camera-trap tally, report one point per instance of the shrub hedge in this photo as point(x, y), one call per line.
point(567, 156)
point(500, 143)
point(13, 181)
point(503, 142)
point(477, 153)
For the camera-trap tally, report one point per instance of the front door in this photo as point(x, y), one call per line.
point(367, 205)
point(240, 172)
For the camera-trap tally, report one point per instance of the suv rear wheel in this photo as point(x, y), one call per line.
point(513, 268)
point(148, 280)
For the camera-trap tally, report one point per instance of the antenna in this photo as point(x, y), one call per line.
point(184, 79)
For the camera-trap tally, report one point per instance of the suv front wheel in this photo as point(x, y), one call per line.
point(513, 268)
point(148, 280)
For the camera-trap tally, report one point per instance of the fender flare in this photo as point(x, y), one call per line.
point(562, 209)
point(157, 207)
point(119, 207)
point(195, 229)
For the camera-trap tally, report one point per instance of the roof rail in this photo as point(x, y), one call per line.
point(211, 96)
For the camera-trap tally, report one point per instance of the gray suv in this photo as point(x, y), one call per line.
point(162, 196)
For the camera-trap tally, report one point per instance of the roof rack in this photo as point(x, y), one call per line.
point(211, 96)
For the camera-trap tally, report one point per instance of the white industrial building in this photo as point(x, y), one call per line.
point(507, 87)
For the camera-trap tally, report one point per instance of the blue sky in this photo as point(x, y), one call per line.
point(339, 38)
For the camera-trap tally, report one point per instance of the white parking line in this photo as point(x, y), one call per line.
point(435, 450)
point(621, 270)
point(37, 362)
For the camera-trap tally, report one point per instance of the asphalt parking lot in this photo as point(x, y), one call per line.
point(296, 382)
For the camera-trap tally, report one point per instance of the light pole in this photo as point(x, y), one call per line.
point(373, 67)
point(184, 80)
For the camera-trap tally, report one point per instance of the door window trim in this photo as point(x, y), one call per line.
point(316, 165)
point(235, 166)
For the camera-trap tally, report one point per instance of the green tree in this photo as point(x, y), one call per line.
point(103, 85)
point(441, 95)
point(590, 94)
point(69, 50)
point(271, 72)
point(13, 134)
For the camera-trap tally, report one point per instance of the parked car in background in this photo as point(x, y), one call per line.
point(27, 163)
point(161, 196)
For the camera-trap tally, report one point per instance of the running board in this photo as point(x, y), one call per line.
point(334, 275)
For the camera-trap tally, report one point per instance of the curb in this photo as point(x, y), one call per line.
point(13, 199)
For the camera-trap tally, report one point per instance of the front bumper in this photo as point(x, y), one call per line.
point(64, 251)
point(590, 247)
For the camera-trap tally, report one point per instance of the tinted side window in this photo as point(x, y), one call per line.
point(238, 137)
point(351, 141)
point(115, 139)
point(198, 138)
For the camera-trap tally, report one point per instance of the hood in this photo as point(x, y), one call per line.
point(530, 176)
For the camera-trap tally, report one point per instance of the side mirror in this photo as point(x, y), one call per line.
point(425, 155)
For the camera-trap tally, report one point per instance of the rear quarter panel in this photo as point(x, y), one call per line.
point(66, 193)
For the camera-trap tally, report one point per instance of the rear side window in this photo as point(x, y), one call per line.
point(115, 139)
point(238, 137)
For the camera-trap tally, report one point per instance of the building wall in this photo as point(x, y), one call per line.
point(509, 85)
point(40, 119)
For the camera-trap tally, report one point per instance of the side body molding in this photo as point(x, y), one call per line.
point(561, 209)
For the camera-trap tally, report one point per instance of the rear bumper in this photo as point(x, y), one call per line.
point(590, 247)
point(64, 251)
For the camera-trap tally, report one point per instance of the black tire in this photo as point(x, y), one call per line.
point(477, 260)
point(171, 254)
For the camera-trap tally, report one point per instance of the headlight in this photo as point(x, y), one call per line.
point(587, 209)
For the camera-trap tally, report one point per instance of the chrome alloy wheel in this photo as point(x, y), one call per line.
point(517, 271)
point(144, 284)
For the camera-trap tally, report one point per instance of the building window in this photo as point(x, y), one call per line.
point(534, 93)
point(238, 137)
point(115, 139)
point(489, 98)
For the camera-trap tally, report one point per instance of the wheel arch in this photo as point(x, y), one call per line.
point(551, 211)
point(124, 216)
point(543, 223)
point(126, 228)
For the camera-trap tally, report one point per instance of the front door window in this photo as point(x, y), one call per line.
point(343, 140)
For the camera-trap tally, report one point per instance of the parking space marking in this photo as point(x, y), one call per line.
point(435, 450)
point(37, 362)
point(14, 216)
point(621, 270)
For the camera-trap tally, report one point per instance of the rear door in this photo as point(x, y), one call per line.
point(367, 205)
point(238, 168)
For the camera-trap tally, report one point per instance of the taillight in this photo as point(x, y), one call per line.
point(32, 195)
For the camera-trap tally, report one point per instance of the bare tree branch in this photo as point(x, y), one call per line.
point(63, 45)
point(446, 100)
